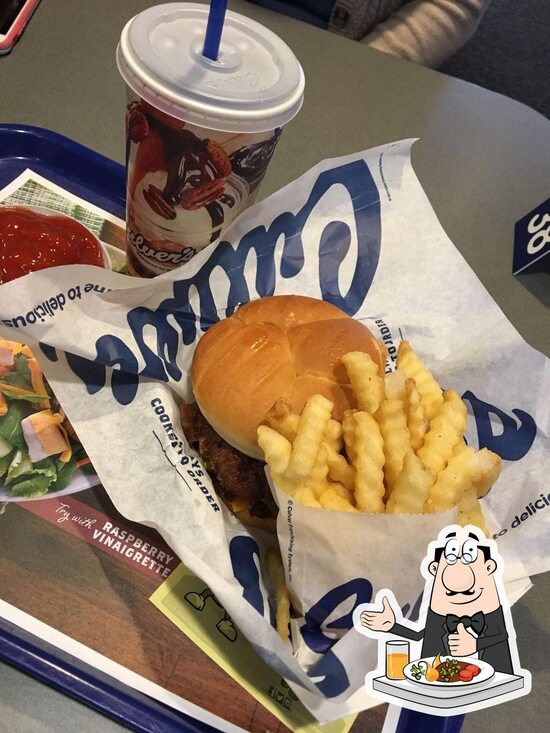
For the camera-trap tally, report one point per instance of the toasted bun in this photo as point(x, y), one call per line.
point(284, 346)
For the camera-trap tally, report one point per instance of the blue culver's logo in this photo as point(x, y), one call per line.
point(175, 321)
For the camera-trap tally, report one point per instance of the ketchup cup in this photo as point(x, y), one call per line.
point(34, 238)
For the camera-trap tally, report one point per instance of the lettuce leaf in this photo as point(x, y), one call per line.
point(5, 462)
point(20, 464)
point(20, 376)
point(36, 481)
point(10, 424)
point(32, 487)
point(5, 448)
point(21, 365)
point(65, 473)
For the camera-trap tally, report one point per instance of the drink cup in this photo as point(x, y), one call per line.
point(200, 133)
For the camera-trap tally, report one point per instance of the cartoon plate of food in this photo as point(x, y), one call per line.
point(449, 671)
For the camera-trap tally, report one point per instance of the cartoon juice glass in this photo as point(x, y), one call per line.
point(397, 658)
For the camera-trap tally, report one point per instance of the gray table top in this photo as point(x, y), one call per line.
point(482, 159)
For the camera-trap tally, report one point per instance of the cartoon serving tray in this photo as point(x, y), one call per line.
point(450, 699)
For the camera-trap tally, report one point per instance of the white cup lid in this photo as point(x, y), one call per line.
point(257, 83)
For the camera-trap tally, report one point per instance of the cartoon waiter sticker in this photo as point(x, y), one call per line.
point(468, 658)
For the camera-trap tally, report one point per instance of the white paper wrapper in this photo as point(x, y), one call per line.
point(359, 232)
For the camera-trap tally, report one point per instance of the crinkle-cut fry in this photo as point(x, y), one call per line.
point(276, 574)
point(416, 414)
point(284, 484)
point(340, 489)
point(394, 385)
point(311, 429)
point(444, 433)
point(281, 418)
point(367, 384)
point(430, 391)
point(368, 463)
point(451, 483)
point(489, 465)
point(276, 449)
point(334, 435)
point(331, 499)
point(305, 496)
point(412, 487)
point(470, 511)
point(317, 478)
point(339, 469)
point(460, 447)
point(392, 421)
point(348, 428)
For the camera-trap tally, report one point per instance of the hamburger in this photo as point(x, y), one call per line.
point(279, 348)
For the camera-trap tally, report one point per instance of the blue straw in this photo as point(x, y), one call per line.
point(214, 29)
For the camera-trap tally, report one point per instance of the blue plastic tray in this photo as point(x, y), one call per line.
point(102, 182)
point(65, 162)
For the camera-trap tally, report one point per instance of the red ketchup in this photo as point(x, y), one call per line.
point(32, 241)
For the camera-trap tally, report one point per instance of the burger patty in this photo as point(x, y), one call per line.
point(234, 475)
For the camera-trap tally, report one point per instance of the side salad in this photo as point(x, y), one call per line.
point(39, 450)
